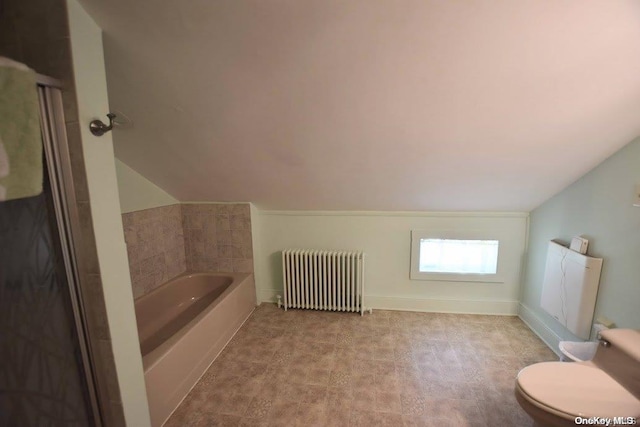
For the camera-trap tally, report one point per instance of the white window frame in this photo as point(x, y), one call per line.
point(416, 274)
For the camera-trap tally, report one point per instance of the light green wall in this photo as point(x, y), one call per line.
point(91, 86)
point(598, 206)
point(385, 237)
point(137, 192)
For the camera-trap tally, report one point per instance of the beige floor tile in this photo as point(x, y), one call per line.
point(283, 414)
point(338, 418)
point(259, 408)
point(390, 368)
point(234, 404)
point(388, 401)
point(318, 376)
point(220, 420)
point(412, 404)
point(362, 418)
point(311, 414)
point(316, 394)
point(364, 399)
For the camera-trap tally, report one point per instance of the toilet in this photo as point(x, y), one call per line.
point(577, 351)
point(556, 394)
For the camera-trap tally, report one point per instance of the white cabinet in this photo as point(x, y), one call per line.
point(570, 288)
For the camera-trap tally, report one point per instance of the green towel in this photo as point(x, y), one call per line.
point(20, 138)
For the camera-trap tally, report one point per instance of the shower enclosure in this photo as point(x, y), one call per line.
point(46, 377)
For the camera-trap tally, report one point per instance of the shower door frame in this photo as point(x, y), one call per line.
point(57, 157)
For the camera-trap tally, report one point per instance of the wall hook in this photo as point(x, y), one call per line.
point(98, 128)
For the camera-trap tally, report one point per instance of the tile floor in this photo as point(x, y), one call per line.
point(390, 368)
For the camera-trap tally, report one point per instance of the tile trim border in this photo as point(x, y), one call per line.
point(537, 326)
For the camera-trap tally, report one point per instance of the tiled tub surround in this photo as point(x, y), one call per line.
point(155, 246)
point(166, 241)
point(390, 368)
point(217, 237)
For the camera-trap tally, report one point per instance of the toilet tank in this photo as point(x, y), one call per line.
point(570, 287)
point(619, 356)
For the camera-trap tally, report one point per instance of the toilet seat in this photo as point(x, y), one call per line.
point(570, 390)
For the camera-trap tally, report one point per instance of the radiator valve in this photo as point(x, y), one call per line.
point(279, 301)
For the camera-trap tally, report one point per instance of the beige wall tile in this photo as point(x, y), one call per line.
point(166, 241)
point(155, 246)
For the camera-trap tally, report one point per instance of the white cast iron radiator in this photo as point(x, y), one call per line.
point(323, 280)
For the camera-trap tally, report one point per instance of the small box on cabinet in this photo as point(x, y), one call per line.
point(579, 244)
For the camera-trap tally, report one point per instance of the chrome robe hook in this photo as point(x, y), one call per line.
point(98, 128)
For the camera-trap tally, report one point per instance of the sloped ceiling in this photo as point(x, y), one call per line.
point(371, 104)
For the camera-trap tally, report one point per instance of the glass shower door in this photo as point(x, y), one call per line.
point(44, 373)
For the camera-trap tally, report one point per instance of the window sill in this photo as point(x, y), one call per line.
point(457, 277)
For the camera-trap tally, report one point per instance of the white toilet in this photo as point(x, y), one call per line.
point(575, 351)
point(557, 393)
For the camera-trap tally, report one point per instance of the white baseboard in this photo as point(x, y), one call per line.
point(546, 334)
point(268, 295)
point(442, 305)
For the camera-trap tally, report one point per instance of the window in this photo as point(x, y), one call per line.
point(458, 256)
point(451, 258)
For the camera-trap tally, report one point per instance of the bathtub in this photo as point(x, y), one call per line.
point(182, 326)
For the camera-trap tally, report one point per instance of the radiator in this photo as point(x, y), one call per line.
point(323, 280)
